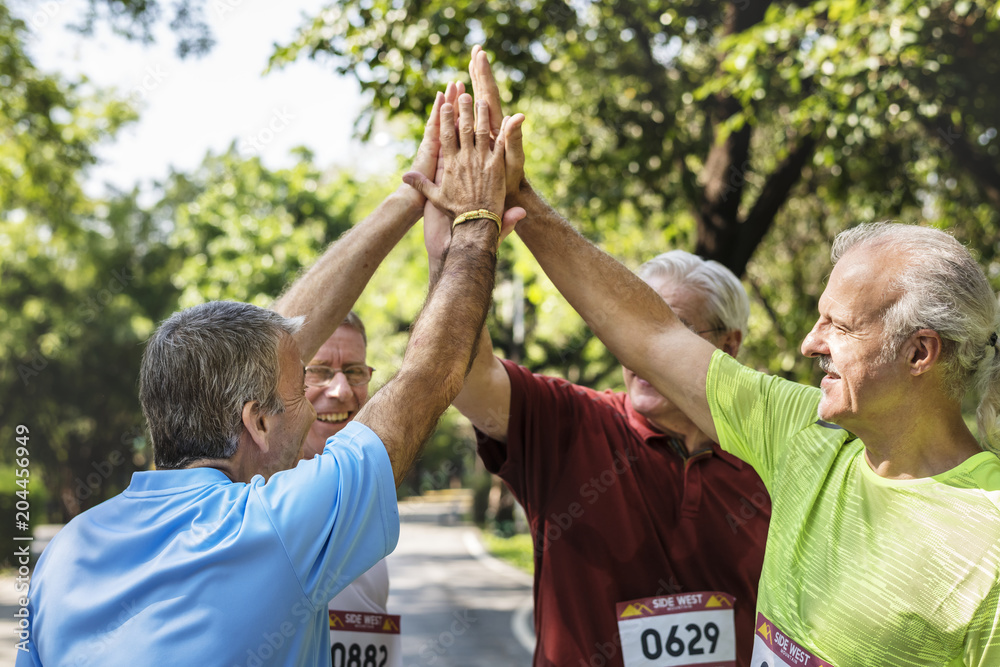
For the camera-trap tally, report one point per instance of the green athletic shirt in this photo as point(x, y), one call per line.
point(862, 570)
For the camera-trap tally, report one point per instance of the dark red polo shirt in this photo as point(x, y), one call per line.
point(617, 513)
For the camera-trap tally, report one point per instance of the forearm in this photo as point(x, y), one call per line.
point(328, 290)
point(617, 305)
point(437, 356)
point(485, 396)
point(631, 319)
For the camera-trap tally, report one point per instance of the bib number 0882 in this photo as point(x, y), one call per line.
point(654, 645)
point(351, 656)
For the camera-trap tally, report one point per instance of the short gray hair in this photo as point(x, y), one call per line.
point(198, 370)
point(354, 322)
point(727, 300)
point(943, 289)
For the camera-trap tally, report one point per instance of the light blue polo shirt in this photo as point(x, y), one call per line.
point(185, 567)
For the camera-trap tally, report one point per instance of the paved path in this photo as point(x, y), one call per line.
point(460, 607)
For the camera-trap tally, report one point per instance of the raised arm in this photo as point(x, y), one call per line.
point(485, 396)
point(328, 290)
point(630, 318)
point(437, 357)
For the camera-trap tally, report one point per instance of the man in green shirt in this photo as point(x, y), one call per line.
point(884, 545)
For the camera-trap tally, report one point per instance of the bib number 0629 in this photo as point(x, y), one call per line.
point(351, 655)
point(654, 644)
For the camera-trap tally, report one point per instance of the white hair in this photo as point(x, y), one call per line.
point(727, 301)
point(943, 289)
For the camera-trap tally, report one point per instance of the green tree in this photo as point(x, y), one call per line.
point(738, 130)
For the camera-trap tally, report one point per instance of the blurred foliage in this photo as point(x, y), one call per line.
point(750, 132)
point(137, 19)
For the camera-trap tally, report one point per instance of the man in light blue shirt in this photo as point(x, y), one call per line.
point(223, 555)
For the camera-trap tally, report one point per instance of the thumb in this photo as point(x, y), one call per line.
point(510, 218)
point(420, 183)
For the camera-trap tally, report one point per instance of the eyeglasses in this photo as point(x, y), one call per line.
point(321, 376)
point(703, 331)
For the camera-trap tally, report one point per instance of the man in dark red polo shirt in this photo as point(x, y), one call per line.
point(625, 497)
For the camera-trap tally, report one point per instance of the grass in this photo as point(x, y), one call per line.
point(516, 550)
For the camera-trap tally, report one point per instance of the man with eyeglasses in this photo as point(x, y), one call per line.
point(337, 380)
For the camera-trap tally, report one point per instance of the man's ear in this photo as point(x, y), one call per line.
point(922, 351)
point(731, 341)
point(256, 425)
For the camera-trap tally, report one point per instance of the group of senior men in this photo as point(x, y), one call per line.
point(884, 539)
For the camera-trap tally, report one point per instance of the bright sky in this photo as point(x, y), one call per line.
point(191, 106)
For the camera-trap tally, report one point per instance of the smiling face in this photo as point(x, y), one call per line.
point(860, 386)
point(690, 307)
point(337, 403)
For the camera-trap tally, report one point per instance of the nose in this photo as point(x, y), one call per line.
point(338, 387)
point(813, 345)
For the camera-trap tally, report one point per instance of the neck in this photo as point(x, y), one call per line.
point(227, 466)
point(684, 431)
point(920, 443)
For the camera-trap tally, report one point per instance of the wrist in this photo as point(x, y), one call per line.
point(519, 195)
point(412, 200)
point(476, 231)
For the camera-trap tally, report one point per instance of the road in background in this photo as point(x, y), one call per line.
point(459, 606)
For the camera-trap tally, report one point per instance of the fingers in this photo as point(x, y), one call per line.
point(510, 218)
point(449, 141)
point(482, 127)
point(513, 139)
point(466, 119)
point(484, 86)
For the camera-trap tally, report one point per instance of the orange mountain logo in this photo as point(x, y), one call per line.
point(635, 610)
point(718, 601)
point(389, 626)
point(335, 621)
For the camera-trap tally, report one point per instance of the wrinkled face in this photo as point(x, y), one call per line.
point(848, 337)
point(337, 403)
point(690, 308)
point(290, 427)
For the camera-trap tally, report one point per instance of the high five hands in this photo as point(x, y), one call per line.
point(478, 148)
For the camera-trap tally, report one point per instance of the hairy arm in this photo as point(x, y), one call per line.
point(328, 290)
point(406, 410)
point(443, 340)
point(631, 319)
point(485, 396)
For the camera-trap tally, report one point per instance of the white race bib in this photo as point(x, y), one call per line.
point(678, 630)
point(363, 639)
point(773, 648)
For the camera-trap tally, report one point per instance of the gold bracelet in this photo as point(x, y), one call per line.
point(479, 214)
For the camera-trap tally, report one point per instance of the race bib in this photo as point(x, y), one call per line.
point(773, 648)
point(362, 639)
point(678, 630)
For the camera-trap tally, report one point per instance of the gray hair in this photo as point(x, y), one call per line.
point(198, 370)
point(943, 289)
point(727, 301)
point(353, 321)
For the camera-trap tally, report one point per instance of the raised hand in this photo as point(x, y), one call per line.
point(473, 175)
point(484, 88)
